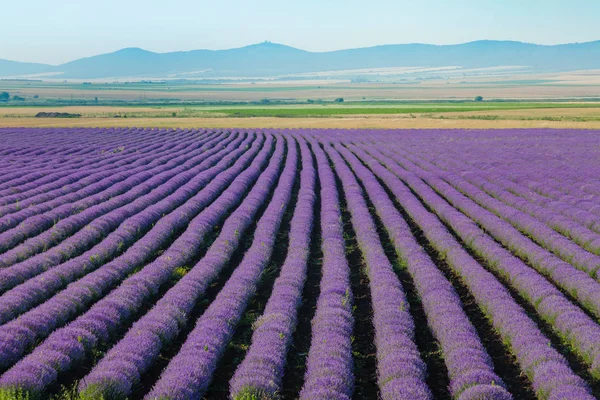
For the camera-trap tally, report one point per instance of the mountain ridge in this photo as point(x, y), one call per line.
point(272, 59)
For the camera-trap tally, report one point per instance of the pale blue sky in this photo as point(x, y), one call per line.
point(62, 30)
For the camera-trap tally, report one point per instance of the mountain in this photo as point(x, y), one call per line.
point(271, 59)
point(9, 68)
point(125, 62)
point(262, 59)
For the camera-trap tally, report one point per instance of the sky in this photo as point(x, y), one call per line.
point(58, 31)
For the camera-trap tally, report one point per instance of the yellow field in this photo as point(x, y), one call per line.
point(530, 113)
point(31, 111)
point(103, 116)
point(387, 122)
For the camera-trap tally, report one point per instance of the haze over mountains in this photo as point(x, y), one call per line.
point(271, 59)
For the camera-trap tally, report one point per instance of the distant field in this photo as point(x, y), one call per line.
point(348, 122)
point(309, 111)
point(435, 85)
point(584, 115)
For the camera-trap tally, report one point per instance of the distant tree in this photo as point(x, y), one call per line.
point(265, 101)
point(339, 100)
point(95, 100)
point(310, 101)
point(36, 97)
point(18, 98)
point(479, 98)
point(4, 96)
point(174, 114)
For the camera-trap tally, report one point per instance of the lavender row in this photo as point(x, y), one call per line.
point(179, 190)
point(189, 373)
point(261, 372)
point(138, 163)
point(72, 159)
point(574, 170)
point(65, 347)
point(73, 180)
point(575, 282)
point(36, 138)
point(579, 207)
point(330, 367)
point(161, 325)
point(129, 229)
point(561, 191)
point(67, 219)
point(547, 370)
point(78, 165)
point(47, 162)
point(584, 218)
point(469, 366)
point(41, 321)
point(37, 166)
point(63, 154)
point(400, 369)
point(569, 322)
point(553, 241)
point(565, 189)
point(37, 218)
point(583, 236)
point(57, 179)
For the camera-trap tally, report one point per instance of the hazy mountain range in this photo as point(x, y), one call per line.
point(270, 59)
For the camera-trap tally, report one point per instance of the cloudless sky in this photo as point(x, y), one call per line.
point(62, 30)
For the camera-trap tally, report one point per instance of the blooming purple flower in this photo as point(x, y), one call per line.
point(111, 237)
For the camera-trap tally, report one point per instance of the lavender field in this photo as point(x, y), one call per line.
point(311, 264)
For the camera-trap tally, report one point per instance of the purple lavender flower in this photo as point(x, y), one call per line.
point(142, 345)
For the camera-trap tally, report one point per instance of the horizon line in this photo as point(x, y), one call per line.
point(308, 51)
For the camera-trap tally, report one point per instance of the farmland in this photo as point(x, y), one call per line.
point(359, 114)
point(493, 83)
point(140, 263)
point(510, 100)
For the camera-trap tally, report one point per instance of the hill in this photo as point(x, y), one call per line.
point(16, 68)
point(271, 59)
